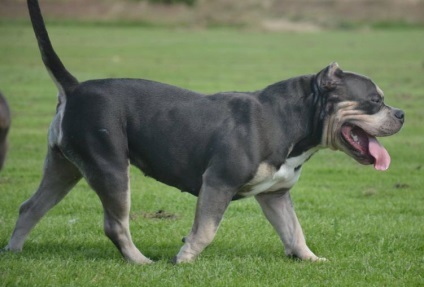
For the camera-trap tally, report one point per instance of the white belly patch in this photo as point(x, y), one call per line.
point(269, 179)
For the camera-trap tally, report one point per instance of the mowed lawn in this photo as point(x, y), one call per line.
point(368, 224)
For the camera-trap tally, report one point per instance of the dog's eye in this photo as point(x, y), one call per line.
point(377, 99)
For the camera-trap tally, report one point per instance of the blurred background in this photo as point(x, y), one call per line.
point(268, 15)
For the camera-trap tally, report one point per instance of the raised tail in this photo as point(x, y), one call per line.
point(64, 81)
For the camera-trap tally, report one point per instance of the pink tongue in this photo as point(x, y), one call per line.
point(380, 154)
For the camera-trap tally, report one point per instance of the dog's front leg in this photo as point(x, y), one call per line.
point(278, 208)
point(211, 205)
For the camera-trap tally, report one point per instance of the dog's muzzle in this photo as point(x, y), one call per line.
point(355, 133)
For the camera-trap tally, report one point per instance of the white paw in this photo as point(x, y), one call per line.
point(142, 260)
point(184, 258)
point(320, 259)
point(308, 257)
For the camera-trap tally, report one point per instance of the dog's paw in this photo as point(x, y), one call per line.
point(178, 260)
point(184, 258)
point(7, 248)
point(140, 259)
point(320, 259)
point(175, 260)
point(146, 261)
point(308, 257)
point(315, 259)
point(142, 262)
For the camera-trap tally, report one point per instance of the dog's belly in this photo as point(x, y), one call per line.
point(269, 179)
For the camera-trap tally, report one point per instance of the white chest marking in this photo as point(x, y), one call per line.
point(268, 178)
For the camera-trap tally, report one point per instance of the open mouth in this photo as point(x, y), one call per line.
point(365, 148)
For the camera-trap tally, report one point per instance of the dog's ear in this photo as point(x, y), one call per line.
point(329, 77)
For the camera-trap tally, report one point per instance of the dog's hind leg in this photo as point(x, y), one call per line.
point(278, 208)
point(59, 177)
point(113, 188)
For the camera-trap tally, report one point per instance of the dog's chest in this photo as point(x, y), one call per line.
point(269, 179)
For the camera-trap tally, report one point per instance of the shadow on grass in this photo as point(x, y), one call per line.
point(105, 252)
point(89, 252)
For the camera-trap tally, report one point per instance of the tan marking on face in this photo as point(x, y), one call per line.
point(344, 111)
point(382, 123)
point(379, 91)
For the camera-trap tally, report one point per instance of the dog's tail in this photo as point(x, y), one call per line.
point(64, 81)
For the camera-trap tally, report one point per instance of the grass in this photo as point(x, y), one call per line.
point(368, 224)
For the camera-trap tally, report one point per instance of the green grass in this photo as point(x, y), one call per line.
point(368, 224)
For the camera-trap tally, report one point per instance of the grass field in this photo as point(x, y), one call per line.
point(368, 224)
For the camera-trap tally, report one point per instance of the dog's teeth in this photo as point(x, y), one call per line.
point(354, 137)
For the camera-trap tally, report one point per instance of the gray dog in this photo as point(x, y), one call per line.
point(4, 128)
point(219, 147)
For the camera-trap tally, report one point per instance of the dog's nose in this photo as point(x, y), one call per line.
point(399, 114)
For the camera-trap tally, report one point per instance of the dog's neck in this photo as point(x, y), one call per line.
point(301, 97)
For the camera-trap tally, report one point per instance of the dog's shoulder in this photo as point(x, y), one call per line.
point(237, 102)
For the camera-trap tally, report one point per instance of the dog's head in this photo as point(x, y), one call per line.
point(355, 114)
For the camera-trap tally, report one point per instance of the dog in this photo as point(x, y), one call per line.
point(5, 120)
point(219, 147)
